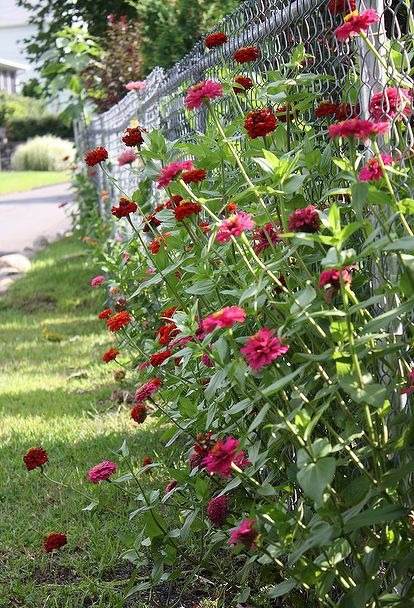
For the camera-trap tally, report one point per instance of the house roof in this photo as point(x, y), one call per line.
point(12, 65)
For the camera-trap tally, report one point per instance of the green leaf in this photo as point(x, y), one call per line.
point(199, 288)
point(279, 384)
point(384, 320)
point(303, 300)
point(407, 205)
point(359, 192)
point(282, 588)
point(315, 477)
point(370, 517)
point(374, 394)
point(217, 381)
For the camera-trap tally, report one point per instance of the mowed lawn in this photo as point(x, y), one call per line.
point(57, 394)
point(21, 181)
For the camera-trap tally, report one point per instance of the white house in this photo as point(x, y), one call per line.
point(14, 27)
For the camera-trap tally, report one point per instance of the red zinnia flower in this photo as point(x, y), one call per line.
point(259, 123)
point(265, 236)
point(186, 209)
point(355, 23)
point(245, 534)
point(104, 314)
point(231, 207)
point(226, 317)
point(341, 6)
point(262, 349)
point(53, 541)
point(147, 390)
point(159, 241)
point(170, 486)
point(119, 320)
point(158, 359)
point(124, 209)
point(35, 457)
point(246, 54)
point(95, 156)
point(110, 355)
point(203, 91)
point(325, 108)
point(304, 220)
point(345, 110)
point(373, 170)
point(139, 413)
point(204, 227)
point(193, 176)
point(168, 312)
point(146, 461)
point(173, 201)
point(358, 128)
point(222, 455)
point(245, 83)
point(133, 136)
point(218, 509)
point(166, 333)
point(215, 39)
point(391, 103)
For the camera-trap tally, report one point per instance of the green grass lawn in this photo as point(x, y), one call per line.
point(21, 181)
point(74, 419)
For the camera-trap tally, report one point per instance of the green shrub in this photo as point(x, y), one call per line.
point(22, 129)
point(47, 153)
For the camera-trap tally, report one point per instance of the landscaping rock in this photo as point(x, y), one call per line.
point(5, 282)
point(15, 262)
point(40, 243)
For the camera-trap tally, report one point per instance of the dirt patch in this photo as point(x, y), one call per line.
point(54, 573)
point(120, 572)
point(37, 303)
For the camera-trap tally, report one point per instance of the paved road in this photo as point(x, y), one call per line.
point(24, 216)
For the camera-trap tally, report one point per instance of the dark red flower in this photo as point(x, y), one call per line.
point(326, 108)
point(139, 413)
point(158, 358)
point(95, 156)
point(231, 208)
point(53, 541)
point(246, 54)
point(186, 209)
point(133, 136)
point(172, 202)
point(119, 320)
point(265, 237)
point(151, 221)
point(124, 208)
point(166, 333)
point(35, 457)
point(218, 509)
point(332, 277)
point(146, 461)
point(170, 486)
point(168, 312)
point(245, 83)
point(336, 7)
point(147, 390)
point(283, 113)
point(223, 454)
point(345, 110)
point(304, 220)
point(215, 39)
point(204, 227)
point(104, 314)
point(259, 123)
point(193, 176)
point(110, 355)
point(200, 449)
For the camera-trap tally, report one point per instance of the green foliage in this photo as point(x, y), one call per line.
point(20, 129)
point(47, 153)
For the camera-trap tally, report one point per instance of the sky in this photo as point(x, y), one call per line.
point(10, 13)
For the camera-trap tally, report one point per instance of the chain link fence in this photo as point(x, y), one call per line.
point(348, 73)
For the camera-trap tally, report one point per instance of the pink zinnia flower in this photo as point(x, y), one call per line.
point(355, 23)
point(147, 390)
point(222, 455)
point(263, 348)
point(127, 157)
point(226, 317)
point(372, 171)
point(97, 281)
point(245, 534)
point(170, 172)
point(218, 509)
point(205, 90)
point(410, 388)
point(102, 471)
point(265, 237)
point(234, 225)
point(391, 103)
point(304, 220)
point(135, 85)
point(358, 128)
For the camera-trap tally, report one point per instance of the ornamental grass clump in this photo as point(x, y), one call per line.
point(269, 290)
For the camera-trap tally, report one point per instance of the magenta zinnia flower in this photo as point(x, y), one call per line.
point(234, 225)
point(355, 23)
point(205, 90)
point(218, 509)
point(304, 220)
point(135, 85)
point(97, 281)
point(391, 103)
point(147, 390)
point(332, 277)
point(226, 317)
point(262, 349)
point(358, 128)
point(372, 171)
point(126, 157)
point(222, 455)
point(170, 172)
point(102, 471)
point(245, 534)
